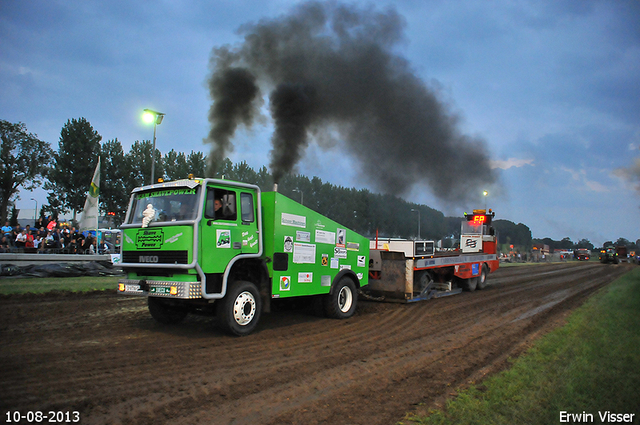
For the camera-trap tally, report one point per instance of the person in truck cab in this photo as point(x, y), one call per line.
point(217, 206)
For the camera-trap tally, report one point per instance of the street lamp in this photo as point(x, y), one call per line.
point(154, 117)
point(485, 194)
point(301, 196)
point(35, 212)
point(418, 211)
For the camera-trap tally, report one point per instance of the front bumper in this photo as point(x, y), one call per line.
point(159, 288)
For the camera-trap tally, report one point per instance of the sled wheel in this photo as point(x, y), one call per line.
point(424, 282)
point(341, 302)
point(239, 311)
point(164, 313)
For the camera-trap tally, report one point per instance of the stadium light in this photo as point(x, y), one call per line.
point(150, 116)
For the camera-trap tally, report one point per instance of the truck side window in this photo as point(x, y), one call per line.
point(246, 207)
point(220, 204)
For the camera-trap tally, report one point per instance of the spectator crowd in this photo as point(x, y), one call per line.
point(49, 237)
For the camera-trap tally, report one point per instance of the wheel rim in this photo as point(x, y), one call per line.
point(345, 299)
point(244, 309)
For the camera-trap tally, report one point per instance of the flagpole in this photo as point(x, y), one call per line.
point(98, 212)
point(91, 211)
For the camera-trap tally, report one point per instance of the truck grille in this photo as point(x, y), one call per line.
point(152, 257)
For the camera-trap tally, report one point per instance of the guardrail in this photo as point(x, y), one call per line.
point(23, 259)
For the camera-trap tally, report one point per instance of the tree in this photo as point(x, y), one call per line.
point(513, 234)
point(622, 242)
point(139, 163)
point(197, 164)
point(178, 166)
point(565, 243)
point(175, 165)
point(114, 193)
point(24, 160)
point(74, 165)
point(585, 243)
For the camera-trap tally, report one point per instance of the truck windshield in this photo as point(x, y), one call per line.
point(468, 228)
point(164, 205)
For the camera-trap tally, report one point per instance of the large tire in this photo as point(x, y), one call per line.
point(469, 285)
point(342, 301)
point(164, 313)
point(482, 279)
point(240, 309)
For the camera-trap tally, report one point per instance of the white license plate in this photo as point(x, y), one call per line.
point(132, 288)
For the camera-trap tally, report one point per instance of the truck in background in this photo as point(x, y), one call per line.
point(608, 254)
point(582, 254)
point(621, 250)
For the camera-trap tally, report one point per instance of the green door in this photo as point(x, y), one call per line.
point(228, 227)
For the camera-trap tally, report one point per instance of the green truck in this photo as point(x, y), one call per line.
point(226, 248)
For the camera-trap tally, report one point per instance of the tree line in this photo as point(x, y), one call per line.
point(27, 162)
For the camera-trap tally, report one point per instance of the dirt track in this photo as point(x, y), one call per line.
point(104, 356)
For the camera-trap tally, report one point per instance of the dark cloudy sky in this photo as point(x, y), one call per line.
point(552, 89)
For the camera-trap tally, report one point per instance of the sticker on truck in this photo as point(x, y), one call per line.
point(223, 236)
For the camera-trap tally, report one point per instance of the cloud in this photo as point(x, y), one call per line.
point(581, 177)
point(630, 174)
point(511, 162)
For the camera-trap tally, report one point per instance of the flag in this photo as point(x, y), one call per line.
point(89, 220)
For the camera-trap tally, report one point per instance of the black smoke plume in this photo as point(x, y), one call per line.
point(234, 91)
point(331, 68)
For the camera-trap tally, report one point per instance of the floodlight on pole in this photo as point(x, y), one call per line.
point(301, 196)
point(485, 194)
point(150, 116)
point(418, 211)
point(35, 213)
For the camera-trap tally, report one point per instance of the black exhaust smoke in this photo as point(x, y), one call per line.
point(331, 69)
point(235, 92)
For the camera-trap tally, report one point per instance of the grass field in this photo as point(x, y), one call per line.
point(587, 368)
point(37, 285)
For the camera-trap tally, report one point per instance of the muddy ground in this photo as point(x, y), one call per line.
point(105, 357)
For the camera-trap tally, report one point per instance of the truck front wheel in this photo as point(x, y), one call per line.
point(341, 303)
point(240, 309)
point(165, 313)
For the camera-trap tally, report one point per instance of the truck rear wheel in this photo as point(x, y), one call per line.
point(164, 313)
point(341, 303)
point(468, 285)
point(240, 309)
point(482, 279)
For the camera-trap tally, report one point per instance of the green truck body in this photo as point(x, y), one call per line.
point(186, 256)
